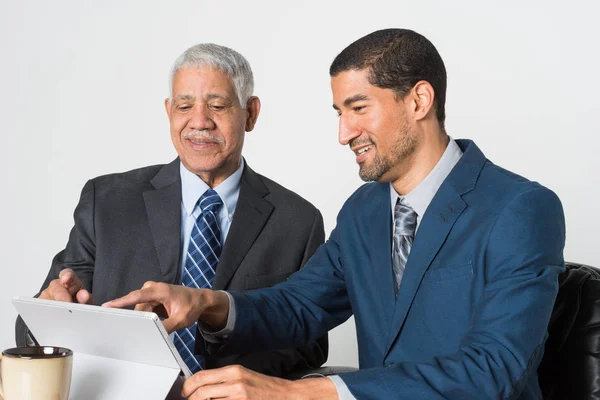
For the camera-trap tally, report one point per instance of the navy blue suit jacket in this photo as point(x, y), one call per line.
point(471, 315)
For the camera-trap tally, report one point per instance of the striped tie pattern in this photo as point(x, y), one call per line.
point(201, 261)
point(405, 222)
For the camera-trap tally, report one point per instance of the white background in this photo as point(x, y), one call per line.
point(83, 85)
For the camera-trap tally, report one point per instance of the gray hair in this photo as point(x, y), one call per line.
point(226, 60)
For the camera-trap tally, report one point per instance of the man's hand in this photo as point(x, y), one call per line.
point(239, 383)
point(180, 305)
point(67, 288)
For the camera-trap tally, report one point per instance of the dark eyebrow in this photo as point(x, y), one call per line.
point(353, 99)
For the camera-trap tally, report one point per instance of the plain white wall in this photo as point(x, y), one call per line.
point(83, 85)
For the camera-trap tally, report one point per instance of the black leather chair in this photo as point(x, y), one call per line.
point(570, 368)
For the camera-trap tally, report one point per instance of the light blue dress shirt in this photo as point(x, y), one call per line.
point(192, 188)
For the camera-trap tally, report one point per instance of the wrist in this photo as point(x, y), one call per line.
point(217, 309)
point(314, 389)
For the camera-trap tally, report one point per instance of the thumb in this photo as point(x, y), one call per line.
point(85, 297)
point(170, 325)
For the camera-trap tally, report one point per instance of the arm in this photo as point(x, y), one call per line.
point(182, 306)
point(284, 361)
point(319, 282)
point(71, 273)
point(309, 304)
point(240, 383)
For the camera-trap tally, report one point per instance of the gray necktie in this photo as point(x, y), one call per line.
point(405, 222)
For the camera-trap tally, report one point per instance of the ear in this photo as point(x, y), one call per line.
point(422, 98)
point(168, 107)
point(252, 109)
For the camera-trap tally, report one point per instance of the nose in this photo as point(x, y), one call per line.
point(347, 130)
point(200, 119)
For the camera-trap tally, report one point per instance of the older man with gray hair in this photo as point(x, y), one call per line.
point(205, 220)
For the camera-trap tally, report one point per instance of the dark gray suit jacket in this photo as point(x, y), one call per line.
point(128, 231)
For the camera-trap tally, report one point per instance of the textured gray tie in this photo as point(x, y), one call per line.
point(405, 222)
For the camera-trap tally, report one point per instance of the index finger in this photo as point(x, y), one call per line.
point(145, 295)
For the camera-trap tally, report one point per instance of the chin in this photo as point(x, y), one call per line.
point(202, 167)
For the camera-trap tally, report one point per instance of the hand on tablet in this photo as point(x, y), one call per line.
point(67, 288)
point(180, 305)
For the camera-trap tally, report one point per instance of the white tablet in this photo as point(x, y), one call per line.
point(111, 346)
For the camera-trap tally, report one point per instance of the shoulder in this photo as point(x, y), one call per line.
point(137, 175)
point(128, 183)
point(517, 208)
point(282, 197)
point(503, 186)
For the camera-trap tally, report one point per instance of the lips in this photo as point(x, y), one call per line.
point(362, 153)
point(201, 141)
point(202, 145)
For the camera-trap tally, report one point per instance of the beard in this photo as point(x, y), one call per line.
point(402, 148)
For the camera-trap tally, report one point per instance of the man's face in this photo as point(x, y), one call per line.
point(375, 125)
point(208, 122)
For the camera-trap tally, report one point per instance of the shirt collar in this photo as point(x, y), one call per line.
point(420, 197)
point(192, 188)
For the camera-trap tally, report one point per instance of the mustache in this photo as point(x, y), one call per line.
point(203, 135)
point(359, 142)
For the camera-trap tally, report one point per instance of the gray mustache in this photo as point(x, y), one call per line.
point(203, 135)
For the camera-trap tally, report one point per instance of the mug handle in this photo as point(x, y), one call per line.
point(1, 390)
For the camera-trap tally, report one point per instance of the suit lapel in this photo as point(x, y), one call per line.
point(251, 214)
point(379, 214)
point(444, 210)
point(163, 207)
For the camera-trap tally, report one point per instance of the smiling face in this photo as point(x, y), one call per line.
point(375, 124)
point(208, 123)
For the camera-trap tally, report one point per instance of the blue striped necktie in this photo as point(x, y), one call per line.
point(405, 222)
point(204, 250)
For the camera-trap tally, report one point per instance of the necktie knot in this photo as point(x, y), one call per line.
point(405, 219)
point(210, 201)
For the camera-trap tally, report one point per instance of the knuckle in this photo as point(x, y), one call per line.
point(54, 285)
point(158, 286)
point(147, 284)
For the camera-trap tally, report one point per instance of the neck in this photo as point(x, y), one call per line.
point(215, 177)
point(420, 163)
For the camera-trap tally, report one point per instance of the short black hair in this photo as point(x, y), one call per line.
point(397, 59)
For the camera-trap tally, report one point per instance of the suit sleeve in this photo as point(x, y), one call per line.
point(79, 254)
point(504, 345)
point(305, 356)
